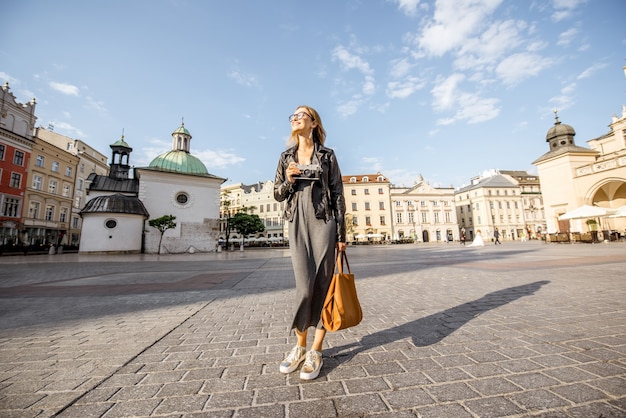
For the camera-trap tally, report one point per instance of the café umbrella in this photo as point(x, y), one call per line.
point(585, 212)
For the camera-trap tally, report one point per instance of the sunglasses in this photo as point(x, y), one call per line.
point(299, 116)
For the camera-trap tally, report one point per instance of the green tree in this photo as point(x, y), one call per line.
point(246, 224)
point(163, 223)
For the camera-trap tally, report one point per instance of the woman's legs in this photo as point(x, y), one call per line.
point(318, 340)
point(320, 333)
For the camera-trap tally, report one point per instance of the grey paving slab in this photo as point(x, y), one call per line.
point(518, 330)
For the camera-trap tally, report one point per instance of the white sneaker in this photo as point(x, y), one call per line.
point(312, 365)
point(293, 360)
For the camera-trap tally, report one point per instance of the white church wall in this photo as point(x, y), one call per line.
point(99, 234)
point(197, 224)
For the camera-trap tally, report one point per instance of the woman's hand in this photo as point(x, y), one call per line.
point(292, 170)
point(341, 246)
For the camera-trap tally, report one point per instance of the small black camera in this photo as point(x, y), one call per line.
point(309, 171)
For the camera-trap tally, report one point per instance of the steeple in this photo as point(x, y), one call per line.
point(120, 159)
point(181, 138)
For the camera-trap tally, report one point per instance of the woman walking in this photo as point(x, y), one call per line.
point(309, 179)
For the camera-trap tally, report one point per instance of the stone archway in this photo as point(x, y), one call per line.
point(609, 193)
point(425, 237)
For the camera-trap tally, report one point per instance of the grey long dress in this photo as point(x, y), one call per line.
point(312, 247)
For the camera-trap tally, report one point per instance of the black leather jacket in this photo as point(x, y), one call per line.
point(328, 198)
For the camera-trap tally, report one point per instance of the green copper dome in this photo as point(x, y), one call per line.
point(179, 161)
point(181, 130)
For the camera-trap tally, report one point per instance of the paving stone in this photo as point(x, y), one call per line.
point(278, 395)
point(578, 392)
point(181, 404)
point(358, 404)
point(538, 400)
point(407, 398)
point(452, 392)
point(143, 407)
point(494, 407)
point(320, 407)
point(531, 381)
point(446, 410)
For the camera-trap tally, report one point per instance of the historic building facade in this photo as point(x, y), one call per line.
point(49, 195)
point(491, 201)
point(17, 123)
point(424, 213)
point(572, 176)
point(89, 161)
point(368, 208)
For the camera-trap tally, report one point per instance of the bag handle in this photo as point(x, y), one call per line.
point(341, 256)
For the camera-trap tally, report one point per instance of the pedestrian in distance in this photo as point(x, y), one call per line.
point(478, 240)
point(308, 178)
point(496, 236)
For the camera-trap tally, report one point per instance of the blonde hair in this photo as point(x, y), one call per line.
point(319, 134)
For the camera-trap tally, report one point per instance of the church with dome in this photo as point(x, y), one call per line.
point(115, 217)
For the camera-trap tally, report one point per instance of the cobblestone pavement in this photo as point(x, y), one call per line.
point(517, 330)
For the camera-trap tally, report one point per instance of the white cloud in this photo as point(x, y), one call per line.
point(408, 7)
point(589, 71)
point(484, 50)
point(218, 159)
point(350, 61)
point(454, 21)
point(404, 88)
point(93, 104)
point(246, 80)
point(64, 126)
point(469, 107)
point(372, 164)
point(444, 94)
point(65, 88)
point(565, 38)
point(400, 68)
point(518, 67)
point(563, 9)
point(5, 77)
point(565, 99)
point(350, 107)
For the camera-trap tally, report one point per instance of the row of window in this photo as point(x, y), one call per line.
point(11, 209)
point(366, 179)
point(367, 191)
point(491, 205)
point(19, 157)
point(410, 218)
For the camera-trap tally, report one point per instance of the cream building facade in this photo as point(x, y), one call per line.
point(491, 201)
point(532, 201)
point(368, 208)
point(255, 199)
point(424, 213)
point(572, 176)
point(90, 161)
point(49, 195)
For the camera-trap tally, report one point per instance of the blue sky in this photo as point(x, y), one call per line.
point(444, 89)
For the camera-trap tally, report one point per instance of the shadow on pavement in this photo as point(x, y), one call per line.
point(433, 328)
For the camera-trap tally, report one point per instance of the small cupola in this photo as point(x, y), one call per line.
point(560, 135)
